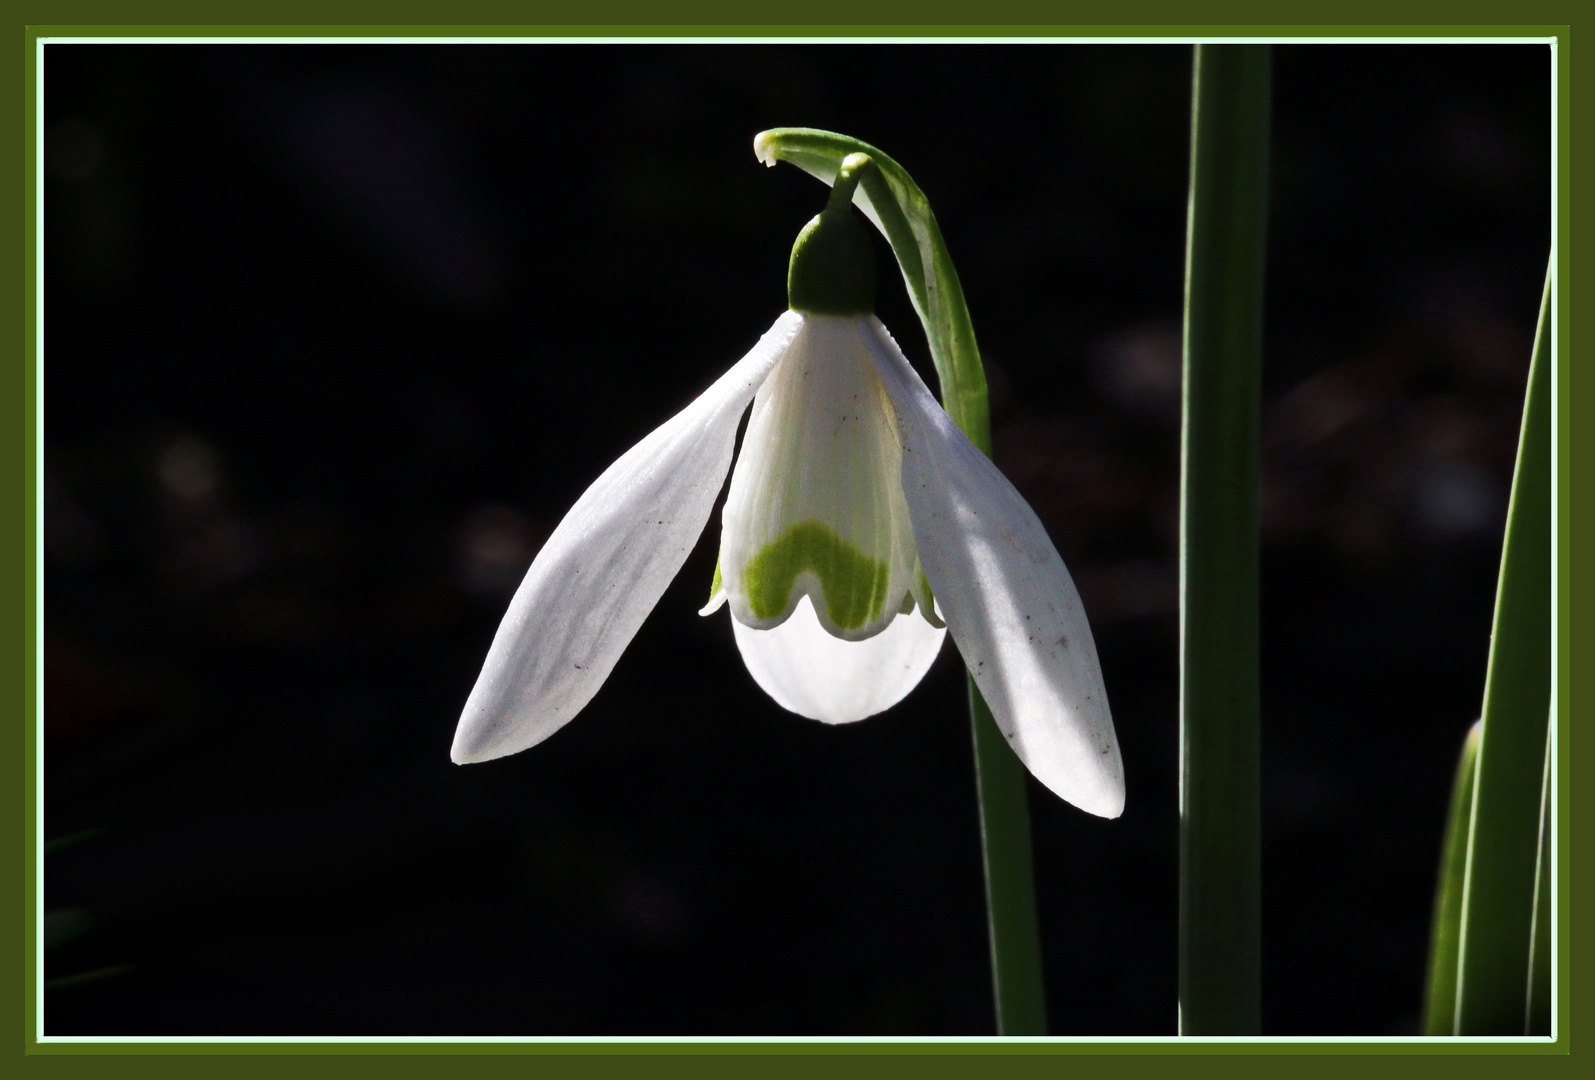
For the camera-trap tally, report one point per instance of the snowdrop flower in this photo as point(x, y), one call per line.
point(859, 519)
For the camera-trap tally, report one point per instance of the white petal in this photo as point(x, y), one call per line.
point(605, 567)
point(1007, 599)
point(810, 672)
point(816, 503)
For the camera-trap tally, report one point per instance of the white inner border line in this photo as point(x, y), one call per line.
point(43, 1039)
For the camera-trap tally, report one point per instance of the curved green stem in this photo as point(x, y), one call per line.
point(889, 197)
point(854, 168)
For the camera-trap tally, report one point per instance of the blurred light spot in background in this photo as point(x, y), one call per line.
point(190, 469)
point(1475, 146)
point(496, 546)
point(384, 162)
point(1458, 500)
point(72, 536)
point(1137, 589)
point(83, 690)
point(91, 197)
point(211, 544)
point(649, 905)
point(1139, 369)
point(74, 149)
point(1324, 405)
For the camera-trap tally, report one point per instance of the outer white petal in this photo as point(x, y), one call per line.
point(810, 672)
point(605, 567)
point(1007, 599)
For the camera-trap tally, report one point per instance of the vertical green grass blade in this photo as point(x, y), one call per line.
point(1220, 855)
point(1538, 1010)
point(888, 196)
point(1498, 896)
point(1440, 999)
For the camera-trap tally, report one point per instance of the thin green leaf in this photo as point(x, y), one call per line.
point(1538, 1009)
point(1440, 1002)
point(83, 978)
point(1498, 896)
point(1220, 843)
point(60, 843)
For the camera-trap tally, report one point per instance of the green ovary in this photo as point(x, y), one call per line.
point(854, 584)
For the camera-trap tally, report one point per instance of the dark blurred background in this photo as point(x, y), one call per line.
point(335, 334)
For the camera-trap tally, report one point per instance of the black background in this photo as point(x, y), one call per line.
point(335, 334)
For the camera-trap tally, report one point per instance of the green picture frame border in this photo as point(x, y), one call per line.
point(718, 21)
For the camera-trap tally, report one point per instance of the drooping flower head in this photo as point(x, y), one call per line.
point(860, 528)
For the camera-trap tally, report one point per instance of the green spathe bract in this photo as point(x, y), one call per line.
point(888, 196)
point(853, 584)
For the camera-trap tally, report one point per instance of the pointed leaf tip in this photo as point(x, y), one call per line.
point(764, 148)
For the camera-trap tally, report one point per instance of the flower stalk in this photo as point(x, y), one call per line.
point(888, 196)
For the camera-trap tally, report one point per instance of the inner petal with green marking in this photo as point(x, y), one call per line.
point(816, 504)
point(853, 584)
